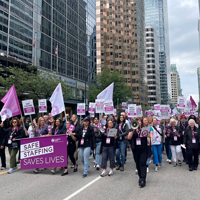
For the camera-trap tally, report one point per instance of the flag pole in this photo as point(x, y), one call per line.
point(57, 60)
point(22, 120)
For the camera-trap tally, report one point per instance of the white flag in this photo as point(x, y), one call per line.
point(107, 94)
point(57, 102)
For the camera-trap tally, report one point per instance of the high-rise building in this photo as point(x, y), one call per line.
point(175, 84)
point(121, 42)
point(31, 30)
point(198, 77)
point(156, 15)
point(152, 65)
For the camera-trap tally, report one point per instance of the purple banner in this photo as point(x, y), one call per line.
point(44, 152)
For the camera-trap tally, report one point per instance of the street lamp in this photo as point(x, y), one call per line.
point(85, 85)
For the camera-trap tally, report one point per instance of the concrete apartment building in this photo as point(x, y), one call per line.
point(120, 42)
point(152, 65)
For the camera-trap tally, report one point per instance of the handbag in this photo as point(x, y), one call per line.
point(14, 145)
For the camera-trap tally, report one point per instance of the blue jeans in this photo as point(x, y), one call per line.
point(97, 153)
point(157, 154)
point(122, 150)
point(84, 153)
point(168, 150)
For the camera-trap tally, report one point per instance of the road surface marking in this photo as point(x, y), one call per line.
point(83, 188)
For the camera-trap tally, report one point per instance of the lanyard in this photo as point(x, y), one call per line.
point(193, 133)
point(56, 131)
point(138, 132)
point(183, 125)
point(12, 133)
point(174, 131)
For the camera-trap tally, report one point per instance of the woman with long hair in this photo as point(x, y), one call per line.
point(71, 147)
point(11, 140)
point(139, 146)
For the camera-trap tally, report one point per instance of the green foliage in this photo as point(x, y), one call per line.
point(104, 79)
point(30, 83)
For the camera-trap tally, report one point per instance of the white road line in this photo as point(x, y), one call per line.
point(83, 188)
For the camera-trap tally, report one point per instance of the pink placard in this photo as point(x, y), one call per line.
point(28, 110)
point(71, 127)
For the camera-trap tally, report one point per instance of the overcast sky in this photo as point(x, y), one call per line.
point(184, 43)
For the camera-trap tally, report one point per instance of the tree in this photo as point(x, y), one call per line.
point(105, 78)
point(31, 83)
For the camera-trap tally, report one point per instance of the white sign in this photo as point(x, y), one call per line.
point(124, 105)
point(132, 110)
point(99, 105)
point(91, 107)
point(108, 107)
point(187, 112)
point(91, 114)
point(115, 111)
point(181, 102)
point(164, 112)
point(157, 106)
point(80, 108)
point(189, 105)
point(42, 104)
point(28, 107)
point(139, 111)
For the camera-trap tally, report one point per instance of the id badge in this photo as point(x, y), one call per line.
point(193, 140)
point(107, 140)
point(82, 141)
point(175, 138)
point(67, 143)
point(120, 138)
point(9, 141)
point(138, 141)
point(183, 132)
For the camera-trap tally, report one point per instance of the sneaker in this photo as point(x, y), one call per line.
point(84, 175)
point(159, 165)
point(110, 173)
point(147, 170)
point(3, 168)
point(10, 171)
point(98, 167)
point(170, 162)
point(175, 164)
point(36, 171)
point(156, 168)
point(190, 169)
point(95, 165)
point(103, 173)
point(118, 167)
point(167, 160)
point(136, 172)
point(122, 168)
point(14, 169)
point(179, 163)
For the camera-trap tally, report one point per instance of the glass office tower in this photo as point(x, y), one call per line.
point(69, 24)
point(156, 15)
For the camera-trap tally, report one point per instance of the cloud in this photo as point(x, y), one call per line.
point(184, 42)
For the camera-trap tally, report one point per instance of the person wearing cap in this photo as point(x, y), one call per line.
point(182, 126)
point(86, 142)
point(191, 142)
point(174, 136)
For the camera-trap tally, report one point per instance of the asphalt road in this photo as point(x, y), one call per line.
point(169, 183)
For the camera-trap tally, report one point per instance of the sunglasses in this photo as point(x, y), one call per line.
point(14, 122)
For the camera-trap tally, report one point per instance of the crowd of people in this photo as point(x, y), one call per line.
point(178, 136)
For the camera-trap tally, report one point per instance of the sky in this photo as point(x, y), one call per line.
point(184, 43)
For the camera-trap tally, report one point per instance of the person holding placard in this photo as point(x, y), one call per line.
point(122, 132)
point(108, 148)
point(175, 141)
point(156, 141)
point(139, 147)
point(191, 142)
point(98, 139)
point(71, 145)
point(16, 132)
point(86, 143)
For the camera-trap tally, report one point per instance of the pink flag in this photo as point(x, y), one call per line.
point(194, 105)
point(11, 106)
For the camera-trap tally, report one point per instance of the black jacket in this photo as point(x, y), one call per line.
point(60, 131)
point(182, 128)
point(3, 134)
point(18, 134)
point(172, 134)
point(97, 133)
point(89, 137)
point(187, 139)
point(125, 131)
point(71, 142)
